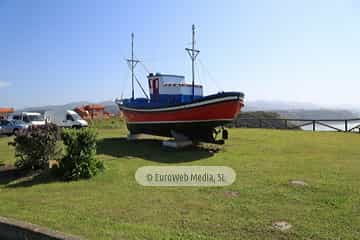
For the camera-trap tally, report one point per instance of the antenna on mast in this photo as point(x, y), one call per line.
point(193, 53)
point(132, 63)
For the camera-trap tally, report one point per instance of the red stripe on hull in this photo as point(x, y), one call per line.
point(220, 110)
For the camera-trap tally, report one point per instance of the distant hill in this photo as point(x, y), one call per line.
point(356, 112)
point(300, 110)
point(110, 106)
point(260, 105)
point(53, 107)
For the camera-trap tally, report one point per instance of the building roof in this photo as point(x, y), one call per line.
point(6, 110)
point(81, 109)
point(94, 107)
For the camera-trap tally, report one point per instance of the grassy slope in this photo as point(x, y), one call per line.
point(6, 152)
point(113, 206)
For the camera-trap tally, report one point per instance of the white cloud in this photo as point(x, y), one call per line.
point(4, 84)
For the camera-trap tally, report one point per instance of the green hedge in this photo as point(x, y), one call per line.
point(79, 160)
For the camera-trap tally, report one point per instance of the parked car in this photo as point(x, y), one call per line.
point(65, 118)
point(12, 127)
point(32, 118)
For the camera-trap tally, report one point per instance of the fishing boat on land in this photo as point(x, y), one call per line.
point(177, 109)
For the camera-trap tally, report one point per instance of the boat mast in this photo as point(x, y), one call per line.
point(132, 62)
point(193, 53)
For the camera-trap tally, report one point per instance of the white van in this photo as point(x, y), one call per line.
point(31, 118)
point(65, 118)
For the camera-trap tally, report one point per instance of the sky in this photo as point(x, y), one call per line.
point(56, 52)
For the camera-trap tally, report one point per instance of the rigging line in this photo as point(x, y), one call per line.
point(138, 82)
point(142, 89)
point(218, 85)
point(144, 66)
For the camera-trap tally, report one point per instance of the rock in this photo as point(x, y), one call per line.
point(282, 226)
point(231, 193)
point(298, 183)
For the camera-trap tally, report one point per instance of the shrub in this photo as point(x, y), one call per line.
point(268, 120)
point(35, 146)
point(79, 160)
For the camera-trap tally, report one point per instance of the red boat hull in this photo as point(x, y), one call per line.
point(225, 111)
point(196, 120)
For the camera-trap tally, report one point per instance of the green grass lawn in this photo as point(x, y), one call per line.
point(6, 152)
point(113, 206)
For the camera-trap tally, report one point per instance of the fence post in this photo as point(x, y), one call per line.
point(346, 125)
point(286, 124)
point(260, 123)
point(314, 123)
